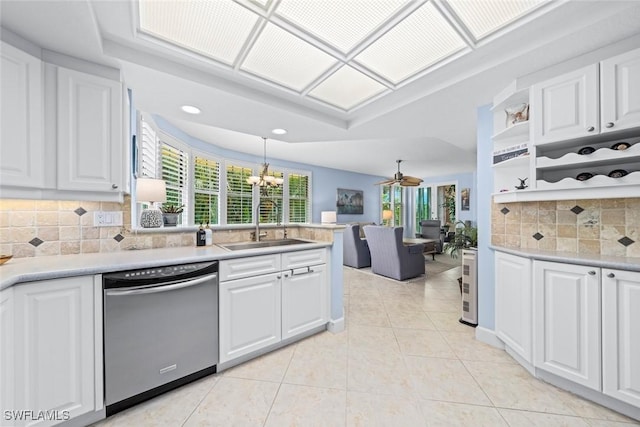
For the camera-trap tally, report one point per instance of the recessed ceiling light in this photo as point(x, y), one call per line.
point(190, 109)
point(279, 131)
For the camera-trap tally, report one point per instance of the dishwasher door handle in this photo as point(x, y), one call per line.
point(160, 288)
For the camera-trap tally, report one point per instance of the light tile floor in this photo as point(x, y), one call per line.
point(404, 360)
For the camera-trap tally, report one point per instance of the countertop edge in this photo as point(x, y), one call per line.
point(23, 270)
point(618, 263)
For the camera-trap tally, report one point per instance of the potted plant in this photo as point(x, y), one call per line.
point(171, 214)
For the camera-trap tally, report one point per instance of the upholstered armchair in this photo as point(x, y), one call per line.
point(390, 257)
point(430, 229)
point(355, 250)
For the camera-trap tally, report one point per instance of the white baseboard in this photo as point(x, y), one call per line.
point(488, 336)
point(336, 326)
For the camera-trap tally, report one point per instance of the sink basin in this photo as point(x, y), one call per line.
point(262, 244)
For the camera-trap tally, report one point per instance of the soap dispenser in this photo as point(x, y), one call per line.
point(201, 237)
point(208, 235)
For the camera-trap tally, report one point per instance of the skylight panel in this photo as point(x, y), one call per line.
point(217, 29)
point(419, 41)
point(342, 24)
point(285, 59)
point(483, 17)
point(347, 88)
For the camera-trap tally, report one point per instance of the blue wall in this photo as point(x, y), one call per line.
point(325, 181)
point(486, 273)
point(465, 180)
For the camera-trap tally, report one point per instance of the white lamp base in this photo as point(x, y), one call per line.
point(151, 218)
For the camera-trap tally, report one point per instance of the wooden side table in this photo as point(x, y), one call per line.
point(429, 245)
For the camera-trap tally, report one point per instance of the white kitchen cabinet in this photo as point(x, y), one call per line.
point(513, 303)
point(305, 299)
point(21, 119)
point(620, 92)
point(621, 335)
point(268, 298)
point(58, 347)
point(90, 137)
point(250, 315)
point(6, 351)
point(567, 321)
point(566, 106)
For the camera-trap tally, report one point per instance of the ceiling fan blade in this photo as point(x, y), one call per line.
point(412, 179)
point(386, 182)
point(409, 184)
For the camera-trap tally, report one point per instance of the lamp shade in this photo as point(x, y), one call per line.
point(387, 214)
point(151, 190)
point(328, 217)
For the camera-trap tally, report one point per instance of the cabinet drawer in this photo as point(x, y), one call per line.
point(303, 258)
point(246, 267)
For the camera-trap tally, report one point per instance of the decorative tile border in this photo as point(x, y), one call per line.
point(607, 227)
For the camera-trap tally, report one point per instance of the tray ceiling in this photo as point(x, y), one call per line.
point(343, 54)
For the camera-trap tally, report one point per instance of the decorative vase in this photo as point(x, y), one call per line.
point(170, 219)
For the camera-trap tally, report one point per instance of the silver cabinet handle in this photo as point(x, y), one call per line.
point(590, 129)
point(611, 275)
point(592, 273)
point(609, 125)
point(114, 186)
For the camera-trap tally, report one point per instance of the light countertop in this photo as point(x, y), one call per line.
point(52, 267)
point(604, 261)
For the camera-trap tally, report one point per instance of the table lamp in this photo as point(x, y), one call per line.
point(151, 191)
point(387, 215)
point(328, 217)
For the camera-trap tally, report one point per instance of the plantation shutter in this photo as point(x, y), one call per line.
point(147, 151)
point(239, 195)
point(206, 190)
point(174, 165)
point(299, 203)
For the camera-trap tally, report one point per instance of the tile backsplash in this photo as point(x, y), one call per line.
point(606, 227)
point(31, 228)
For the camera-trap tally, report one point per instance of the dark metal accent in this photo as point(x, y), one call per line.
point(625, 241)
point(118, 237)
point(36, 242)
point(577, 209)
point(537, 236)
point(80, 211)
point(505, 210)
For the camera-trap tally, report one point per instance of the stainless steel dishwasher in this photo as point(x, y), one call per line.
point(160, 330)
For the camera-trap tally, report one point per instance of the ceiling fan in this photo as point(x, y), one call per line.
point(398, 178)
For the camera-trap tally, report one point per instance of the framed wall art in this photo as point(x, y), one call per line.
point(350, 202)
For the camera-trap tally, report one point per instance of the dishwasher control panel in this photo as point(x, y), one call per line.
point(151, 275)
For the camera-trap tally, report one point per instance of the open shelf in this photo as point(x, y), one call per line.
point(597, 181)
point(519, 130)
point(602, 156)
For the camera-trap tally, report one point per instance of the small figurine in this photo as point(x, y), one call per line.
point(522, 185)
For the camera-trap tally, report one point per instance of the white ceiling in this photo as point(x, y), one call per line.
point(427, 117)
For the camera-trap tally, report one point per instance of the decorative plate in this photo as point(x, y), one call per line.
point(586, 150)
point(620, 145)
point(618, 173)
point(584, 176)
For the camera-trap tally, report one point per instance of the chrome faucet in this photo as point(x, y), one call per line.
point(256, 234)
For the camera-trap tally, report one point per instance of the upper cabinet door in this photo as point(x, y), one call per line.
point(566, 107)
point(89, 132)
point(21, 132)
point(620, 92)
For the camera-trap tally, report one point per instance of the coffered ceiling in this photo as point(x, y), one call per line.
point(357, 83)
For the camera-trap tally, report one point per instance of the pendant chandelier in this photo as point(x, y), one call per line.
point(265, 180)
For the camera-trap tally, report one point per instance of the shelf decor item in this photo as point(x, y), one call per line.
point(152, 191)
point(586, 150)
point(583, 176)
point(623, 145)
point(517, 113)
point(618, 173)
point(523, 184)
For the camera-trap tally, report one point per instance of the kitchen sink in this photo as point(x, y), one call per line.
point(262, 244)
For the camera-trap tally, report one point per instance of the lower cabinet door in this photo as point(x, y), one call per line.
point(513, 303)
point(621, 335)
point(58, 372)
point(6, 353)
point(304, 299)
point(567, 321)
point(249, 315)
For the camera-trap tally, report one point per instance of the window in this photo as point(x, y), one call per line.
point(392, 197)
point(423, 204)
point(239, 195)
point(206, 190)
point(215, 191)
point(299, 203)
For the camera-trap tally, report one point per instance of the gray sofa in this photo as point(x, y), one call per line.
point(355, 250)
point(390, 257)
point(431, 229)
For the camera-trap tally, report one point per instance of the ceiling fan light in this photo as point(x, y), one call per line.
point(253, 180)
